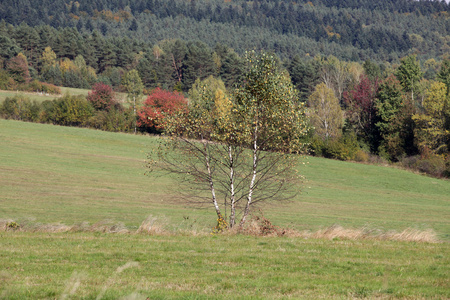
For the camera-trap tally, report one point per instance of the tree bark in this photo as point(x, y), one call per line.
point(232, 191)
point(252, 182)
point(210, 180)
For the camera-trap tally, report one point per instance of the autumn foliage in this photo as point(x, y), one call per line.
point(159, 104)
point(18, 68)
point(102, 97)
point(360, 105)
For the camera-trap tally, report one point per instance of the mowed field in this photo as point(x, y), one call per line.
point(54, 176)
point(70, 175)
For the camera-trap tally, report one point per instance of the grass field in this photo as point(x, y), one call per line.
point(70, 175)
point(32, 96)
point(52, 175)
point(121, 97)
point(115, 266)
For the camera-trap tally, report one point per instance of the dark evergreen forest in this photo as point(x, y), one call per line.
point(348, 29)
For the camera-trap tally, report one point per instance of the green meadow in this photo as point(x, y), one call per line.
point(115, 266)
point(32, 96)
point(121, 97)
point(70, 175)
point(54, 176)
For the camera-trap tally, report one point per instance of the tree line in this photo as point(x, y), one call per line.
point(355, 112)
point(350, 30)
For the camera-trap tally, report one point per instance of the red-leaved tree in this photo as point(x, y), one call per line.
point(18, 68)
point(159, 104)
point(360, 106)
point(102, 96)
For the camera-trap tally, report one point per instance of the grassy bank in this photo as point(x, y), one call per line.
point(114, 266)
point(51, 174)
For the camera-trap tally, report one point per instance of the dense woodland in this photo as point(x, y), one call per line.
point(374, 74)
point(348, 29)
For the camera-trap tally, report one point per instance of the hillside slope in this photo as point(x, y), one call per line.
point(51, 174)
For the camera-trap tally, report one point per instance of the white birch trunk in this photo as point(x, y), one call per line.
point(252, 182)
point(135, 117)
point(211, 182)
point(232, 192)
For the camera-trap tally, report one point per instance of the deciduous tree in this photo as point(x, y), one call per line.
point(431, 130)
point(18, 68)
point(102, 97)
point(134, 87)
point(48, 58)
point(244, 144)
point(325, 112)
point(360, 102)
point(444, 74)
point(158, 105)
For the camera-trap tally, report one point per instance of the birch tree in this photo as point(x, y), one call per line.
point(432, 127)
point(325, 112)
point(335, 74)
point(240, 146)
point(134, 87)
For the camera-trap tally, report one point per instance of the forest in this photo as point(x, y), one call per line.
point(350, 29)
point(377, 73)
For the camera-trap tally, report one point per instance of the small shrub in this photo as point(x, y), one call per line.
point(102, 97)
point(13, 225)
point(432, 164)
point(21, 108)
point(117, 119)
point(410, 162)
point(361, 156)
point(42, 87)
point(261, 226)
point(47, 107)
point(50, 88)
point(316, 146)
point(343, 148)
point(377, 160)
point(446, 172)
point(70, 111)
point(221, 226)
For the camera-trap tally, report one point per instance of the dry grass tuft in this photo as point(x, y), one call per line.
point(108, 226)
point(5, 224)
point(52, 228)
point(257, 226)
point(338, 232)
point(260, 226)
point(412, 235)
point(153, 226)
